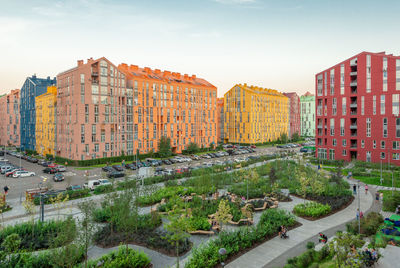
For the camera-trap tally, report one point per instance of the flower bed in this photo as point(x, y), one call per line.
point(123, 257)
point(162, 193)
point(239, 241)
point(312, 210)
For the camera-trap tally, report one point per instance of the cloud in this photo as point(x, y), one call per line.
point(212, 34)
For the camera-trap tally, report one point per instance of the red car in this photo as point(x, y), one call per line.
point(10, 173)
point(253, 146)
point(52, 165)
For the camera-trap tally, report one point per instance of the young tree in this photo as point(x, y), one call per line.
point(29, 205)
point(272, 176)
point(59, 202)
point(87, 225)
point(192, 148)
point(11, 245)
point(223, 213)
point(295, 137)
point(283, 138)
point(164, 147)
point(344, 248)
point(177, 227)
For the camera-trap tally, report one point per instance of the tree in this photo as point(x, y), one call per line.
point(59, 202)
point(295, 137)
point(272, 175)
point(192, 148)
point(344, 248)
point(177, 226)
point(283, 138)
point(88, 228)
point(223, 213)
point(29, 205)
point(164, 147)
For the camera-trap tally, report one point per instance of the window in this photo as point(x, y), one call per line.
point(397, 127)
point(341, 126)
point(396, 156)
point(332, 81)
point(362, 143)
point(344, 152)
point(96, 147)
point(396, 145)
point(385, 127)
point(382, 104)
point(107, 147)
point(332, 126)
point(368, 127)
point(344, 106)
point(368, 88)
point(319, 85)
point(374, 105)
point(332, 154)
point(368, 156)
point(384, 87)
point(374, 144)
point(383, 155)
point(342, 79)
point(362, 105)
point(383, 144)
point(344, 142)
point(334, 106)
point(333, 142)
point(398, 74)
point(395, 104)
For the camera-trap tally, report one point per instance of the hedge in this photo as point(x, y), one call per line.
point(123, 257)
point(72, 194)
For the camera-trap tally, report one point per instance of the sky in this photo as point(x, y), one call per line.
point(278, 44)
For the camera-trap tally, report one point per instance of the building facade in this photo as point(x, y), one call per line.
point(32, 88)
point(220, 120)
point(353, 96)
point(307, 115)
point(294, 113)
point(254, 114)
point(46, 121)
point(10, 119)
point(164, 103)
point(104, 110)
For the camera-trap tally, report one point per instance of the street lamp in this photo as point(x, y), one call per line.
point(359, 211)
point(41, 199)
point(222, 252)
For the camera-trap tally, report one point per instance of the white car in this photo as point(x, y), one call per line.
point(104, 182)
point(61, 168)
point(23, 173)
point(91, 184)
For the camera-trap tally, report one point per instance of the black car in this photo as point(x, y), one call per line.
point(131, 166)
point(167, 162)
point(173, 161)
point(58, 177)
point(115, 174)
point(118, 168)
point(50, 170)
point(107, 169)
point(34, 160)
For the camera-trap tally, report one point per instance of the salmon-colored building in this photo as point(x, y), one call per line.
point(220, 120)
point(104, 110)
point(294, 113)
point(10, 119)
point(171, 104)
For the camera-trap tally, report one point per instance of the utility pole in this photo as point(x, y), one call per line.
point(392, 184)
point(359, 211)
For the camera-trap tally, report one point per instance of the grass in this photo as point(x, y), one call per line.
point(375, 180)
point(84, 168)
point(331, 169)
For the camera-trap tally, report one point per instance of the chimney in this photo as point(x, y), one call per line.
point(133, 67)
point(167, 73)
point(147, 70)
point(193, 76)
point(157, 71)
point(80, 63)
point(186, 76)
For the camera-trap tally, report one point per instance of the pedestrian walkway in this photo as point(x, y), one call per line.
point(262, 255)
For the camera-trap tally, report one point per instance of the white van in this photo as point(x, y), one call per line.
point(91, 184)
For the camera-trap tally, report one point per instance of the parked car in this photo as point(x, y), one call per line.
point(11, 172)
point(115, 174)
point(52, 165)
point(131, 166)
point(50, 170)
point(118, 168)
point(23, 173)
point(34, 160)
point(167, 162)
point(74, 187)
point(91, 184)
point(61, 168)
point(58, 177)
point(41, 162)
point(253, 146)
point(107, 169)
point(104, 182)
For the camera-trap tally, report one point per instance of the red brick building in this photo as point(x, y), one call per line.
point(357, 109)
point(10, 119)
point(294, 113)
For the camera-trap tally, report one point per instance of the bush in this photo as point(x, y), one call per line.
point(199, 223)
point(102, 189)
point(76, 194)
point(236, 241)
point(38, 235)
point(369, 224)
point(166, 193)
point(123, 257)
point(391, 202)
point(311, 209)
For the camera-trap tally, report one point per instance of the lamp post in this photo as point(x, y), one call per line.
point(359, 211)
point(222, 252)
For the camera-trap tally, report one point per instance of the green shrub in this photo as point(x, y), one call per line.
point(369, 224)
point(311, 209)
point(38, 235)
point(390, 202)
point(199, 223)
point(103, 189)
point(166, 193)
point(123, 257)
point(71, 196)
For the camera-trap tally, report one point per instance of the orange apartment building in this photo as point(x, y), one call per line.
point(10, 119)
point(165, 103)
point(104, 110)
point(220, 120)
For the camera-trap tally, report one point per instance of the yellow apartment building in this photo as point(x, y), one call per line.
point(46, 121)
point(254, 114)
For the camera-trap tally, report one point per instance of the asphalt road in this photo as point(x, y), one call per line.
point(18, 186)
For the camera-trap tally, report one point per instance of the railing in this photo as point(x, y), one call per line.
point(353, 73)
point(353, 83)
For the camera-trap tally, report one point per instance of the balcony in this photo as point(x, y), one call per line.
point(353, 126)
point(95, 73)
point(353, 83)
point(353, 73)
point(353, 112)
point(353, 105)
point(353, 90)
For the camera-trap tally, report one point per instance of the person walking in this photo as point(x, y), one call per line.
point(354, 189)
point(366, 188)
point(381, 197)
point(377, 197)
point(358, 214)
point(6, 189)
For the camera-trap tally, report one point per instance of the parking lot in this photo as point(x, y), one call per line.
point(74, 176)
